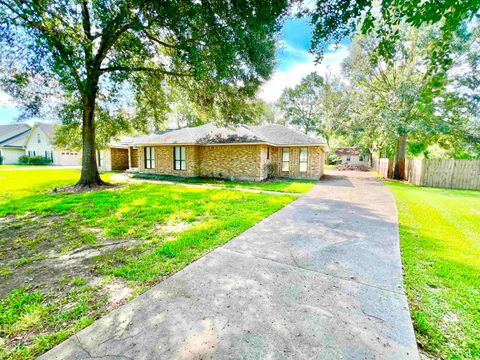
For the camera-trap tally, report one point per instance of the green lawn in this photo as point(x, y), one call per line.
point(280, 185)
point(440, 243)
point(67, 259)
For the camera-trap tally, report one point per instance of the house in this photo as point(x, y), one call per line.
point(13, 139)
point(117, 156)
point(20, 139)
point(40, 143)
point(351, 155)
point(250, 153)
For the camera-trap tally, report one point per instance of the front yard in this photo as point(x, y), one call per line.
point(440, 244)
point(280, 185)
point(67, 259)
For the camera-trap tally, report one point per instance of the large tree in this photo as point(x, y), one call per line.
point(92, 48)
point(335, 20)
point(300, 105)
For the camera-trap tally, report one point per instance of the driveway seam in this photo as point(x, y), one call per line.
point(314, 271)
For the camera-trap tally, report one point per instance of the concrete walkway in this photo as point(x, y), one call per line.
point(320, 279)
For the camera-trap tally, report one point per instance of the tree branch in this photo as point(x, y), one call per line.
point(144, 69)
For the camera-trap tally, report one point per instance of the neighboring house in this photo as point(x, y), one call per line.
point(40, 143)
point(351, 155)
point(13, 139)
point(241, 153)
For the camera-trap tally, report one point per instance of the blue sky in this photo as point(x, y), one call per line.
point(293, 63)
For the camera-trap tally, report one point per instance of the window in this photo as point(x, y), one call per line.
point(285, 159)
point(348, 158)
point(31, 152)
point(179, 162)
point(360, 158)
point(100, 158)
point(149, 158)
point(268, 153)
point(38, 138)
point(49, 155)
point(303, 159)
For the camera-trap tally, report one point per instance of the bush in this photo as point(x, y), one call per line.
point(1, 160)
point(272, 170)
point(34, 160)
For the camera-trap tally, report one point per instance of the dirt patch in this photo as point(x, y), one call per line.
point(74, 189)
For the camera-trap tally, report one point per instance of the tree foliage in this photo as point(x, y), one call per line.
point(335, 20)
point(105, 53)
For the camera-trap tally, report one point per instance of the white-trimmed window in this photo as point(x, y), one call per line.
point(49, 155)
point(285, 159)
point(303, 159)
point(31, 153)
point(149, 157)
point(39, 138)
point(179, 158)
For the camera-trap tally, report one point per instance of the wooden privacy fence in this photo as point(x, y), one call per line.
point(444, 173)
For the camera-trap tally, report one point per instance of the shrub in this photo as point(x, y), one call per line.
point(1, 160)
point(272, 170)
point(34, 160)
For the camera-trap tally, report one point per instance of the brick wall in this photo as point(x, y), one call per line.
point(134, 157)
point(238, 161)
point(119, 159)
point(164, 161)
point(247, 162)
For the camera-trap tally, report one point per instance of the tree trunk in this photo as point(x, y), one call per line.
point(90, 176)
point(399, 170)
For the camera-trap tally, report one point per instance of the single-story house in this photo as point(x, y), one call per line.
point(352, 155)
point(243, 152)
point(118, 155)
point(13, 138)
point(20, 139)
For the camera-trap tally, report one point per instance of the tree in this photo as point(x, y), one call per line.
point(91, 48)
point(301, 104)
point(335, 20)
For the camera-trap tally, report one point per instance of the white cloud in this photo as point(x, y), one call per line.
point(331, 65)
point(6, 100)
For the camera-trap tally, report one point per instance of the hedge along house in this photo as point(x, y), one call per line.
point(250, 153)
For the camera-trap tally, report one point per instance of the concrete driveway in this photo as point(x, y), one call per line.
point(319, 279)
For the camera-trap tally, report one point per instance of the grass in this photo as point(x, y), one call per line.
point(280, 185)
point(67, 259)
point(440, 244)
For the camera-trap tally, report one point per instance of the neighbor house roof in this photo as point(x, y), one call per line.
point(48, 129)
point(210, 134)
point(14, 135)
point(348, 151)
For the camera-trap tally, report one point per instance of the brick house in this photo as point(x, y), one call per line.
point(250, 153)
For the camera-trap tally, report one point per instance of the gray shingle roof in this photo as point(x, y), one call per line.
point(14, 135)
point(211, 134)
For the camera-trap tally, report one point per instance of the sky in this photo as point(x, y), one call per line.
point(293, 63)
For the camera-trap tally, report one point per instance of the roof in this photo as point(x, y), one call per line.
point(48, 129)
point(348, 151)
point(210, 134)
point(14, 135)
point(122, 142)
